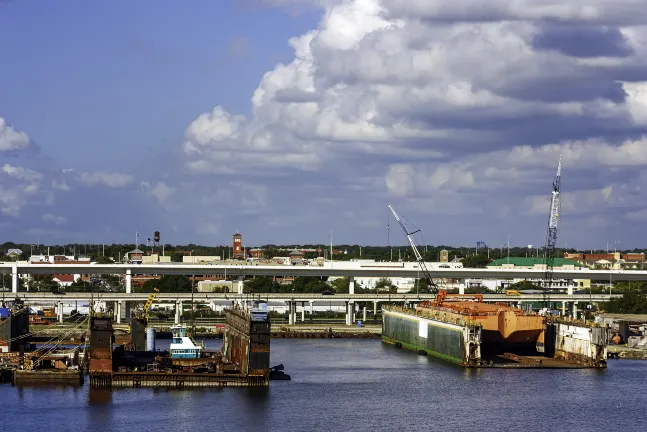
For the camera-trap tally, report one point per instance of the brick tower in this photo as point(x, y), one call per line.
point(238, 246)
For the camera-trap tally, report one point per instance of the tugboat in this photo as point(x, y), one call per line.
point(183, 346)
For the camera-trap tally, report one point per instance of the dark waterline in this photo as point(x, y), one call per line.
point(354, 385)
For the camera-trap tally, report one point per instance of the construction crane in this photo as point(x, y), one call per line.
point(149, 302)
point(551, 235)
point(421, 261)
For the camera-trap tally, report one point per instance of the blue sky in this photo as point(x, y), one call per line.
point(286, 119)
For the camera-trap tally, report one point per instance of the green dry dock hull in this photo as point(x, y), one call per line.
point(446, 342)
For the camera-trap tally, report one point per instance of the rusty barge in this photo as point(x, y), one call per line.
point(242, 362)
point(464, 330)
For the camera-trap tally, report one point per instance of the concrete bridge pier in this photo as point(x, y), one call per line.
point(119, 312)
point(59, 312)
point(570, 287)
point(351, 285)
point(178, 311)
point(563, 308)
point(291, 313)
point(14, 278)
point(374, 309)
point(364, 314)
point(311, 307)
point(350, 313)
point(575, 310)
point(241, 285)
point(303, 311)
point(461, 286)
point(129, 281)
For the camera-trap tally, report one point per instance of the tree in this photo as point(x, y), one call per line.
point(263, 284)
point(42, 283)
point(476, 261)
point(307, 284)
point(385, 284)
point(629, 303)
point(103, 260)
point(176, 257)
point(524, 285)
point(168, 284)
point(79, 285)
point(341, 285)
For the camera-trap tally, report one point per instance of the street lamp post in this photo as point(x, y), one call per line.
point(508, 248)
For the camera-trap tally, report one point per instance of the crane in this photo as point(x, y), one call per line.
point(551, 235)
point(149, 302)
point(421, 261)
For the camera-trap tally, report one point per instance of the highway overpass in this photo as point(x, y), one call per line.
point(123, 301)
point(45, 297)
point(363, 270)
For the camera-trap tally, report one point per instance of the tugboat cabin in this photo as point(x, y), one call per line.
point(182, 345)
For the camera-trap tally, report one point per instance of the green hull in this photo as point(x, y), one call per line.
point(446, 341)
point(418, 349)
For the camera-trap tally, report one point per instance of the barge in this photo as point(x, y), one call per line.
point(242, 362)
point(464, 330)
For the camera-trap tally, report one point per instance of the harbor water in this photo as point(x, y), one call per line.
point(353, 385)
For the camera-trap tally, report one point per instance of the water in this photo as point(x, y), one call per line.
point(354, 385)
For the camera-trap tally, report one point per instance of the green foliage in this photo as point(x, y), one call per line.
point(103, 260)
point(476, 290)
point(168, 284)
point(306, 284)
point(524, 285)
point(79, 285)
point(264, 284)
point(476, 261)
point(176, 257)
point(42, 283)
point(629, 303)
point(342, 285)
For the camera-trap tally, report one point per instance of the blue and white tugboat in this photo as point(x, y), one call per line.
point(183, 346)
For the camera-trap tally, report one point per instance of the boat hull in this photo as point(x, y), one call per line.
point(455, 342)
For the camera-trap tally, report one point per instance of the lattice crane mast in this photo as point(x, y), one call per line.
point(421, 261)
point(551, 235)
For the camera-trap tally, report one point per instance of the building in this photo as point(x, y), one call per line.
point(14, 252)
point(611, 260)
point(135, 256)
point(238, 246)
point(444, 256)
point(200, 259)
point(296, 257)
point(538, 264)
point(155, 258)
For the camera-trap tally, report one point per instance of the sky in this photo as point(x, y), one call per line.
point(289, 120)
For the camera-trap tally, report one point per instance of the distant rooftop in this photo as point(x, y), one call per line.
point(532, 261)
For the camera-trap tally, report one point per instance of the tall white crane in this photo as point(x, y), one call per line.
point(421, 261)
point(551, 234)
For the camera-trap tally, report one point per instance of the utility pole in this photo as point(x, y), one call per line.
point(331, 246)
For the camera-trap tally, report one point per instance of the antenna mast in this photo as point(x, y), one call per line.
point(551, 235)
point(419, 258)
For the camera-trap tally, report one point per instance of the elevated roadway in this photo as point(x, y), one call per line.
point(330, 270)
point(295, 297)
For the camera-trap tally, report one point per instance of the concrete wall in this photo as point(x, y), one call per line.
point(580, 343)
point(204, 259)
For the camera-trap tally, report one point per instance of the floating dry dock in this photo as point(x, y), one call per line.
point(243, 361)
point(466, 331)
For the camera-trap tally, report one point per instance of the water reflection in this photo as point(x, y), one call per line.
point(100, 397)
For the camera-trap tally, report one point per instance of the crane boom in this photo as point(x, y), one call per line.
point(551, 235)
point(421, 261)
point(149, 302)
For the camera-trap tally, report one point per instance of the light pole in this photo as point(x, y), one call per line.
point(331, 246)
point(508, 248)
